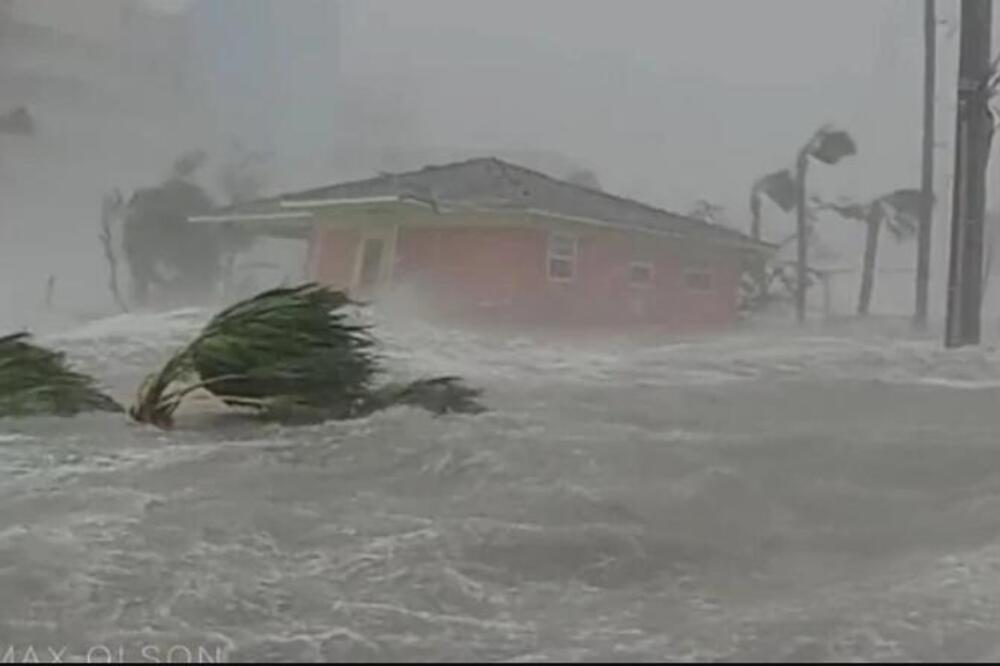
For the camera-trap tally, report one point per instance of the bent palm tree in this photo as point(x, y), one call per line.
point(778, 186)
point(828, 145)
point(899, 211)
point(36, 381)
point(290, 354)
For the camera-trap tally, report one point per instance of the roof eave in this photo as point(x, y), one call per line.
point(303, 210)
point(355, 201)
point(250, 217)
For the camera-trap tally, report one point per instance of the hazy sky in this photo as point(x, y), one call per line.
point(671, 100)
point(668, 100)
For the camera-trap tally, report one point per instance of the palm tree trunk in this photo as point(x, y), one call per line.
point(758, 268)
point(868, 269)
point(755, 213)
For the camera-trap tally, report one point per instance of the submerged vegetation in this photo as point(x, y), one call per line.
point(289, 354)
point(292, 355)
point(38, 381)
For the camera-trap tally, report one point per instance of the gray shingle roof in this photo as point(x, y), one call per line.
point(490, 183)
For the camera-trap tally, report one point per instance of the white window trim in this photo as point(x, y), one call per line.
point(572, 257)
point(648, 265)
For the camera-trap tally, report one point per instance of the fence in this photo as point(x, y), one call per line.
point(894, 294)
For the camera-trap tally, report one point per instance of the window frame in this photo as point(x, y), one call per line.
point(571, 257)
point(701, 271)
point(650, 271)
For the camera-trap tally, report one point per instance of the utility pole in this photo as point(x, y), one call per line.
point(801, 227)
point(927, 168)
point(973, 128)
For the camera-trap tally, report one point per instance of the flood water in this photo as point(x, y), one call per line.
point(748, 497)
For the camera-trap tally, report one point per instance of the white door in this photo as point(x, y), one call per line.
point(373, 265)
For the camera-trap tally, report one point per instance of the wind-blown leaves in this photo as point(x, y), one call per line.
point(899, 210)
point(38, 381)
point(831, 145)
point(291, 354)
point(852, 210)
point(903, 208)
point(780, 187)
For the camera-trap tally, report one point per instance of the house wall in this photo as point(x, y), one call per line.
point(498, 274)
point(331, 256)
point(502, 274)
point(479, 272)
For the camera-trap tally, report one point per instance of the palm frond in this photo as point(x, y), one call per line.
point(830, 145)
point(852, 210)
point(899, 210)
point(291, 354)
point(36, 381)
point(902, 212)
point(780, 186)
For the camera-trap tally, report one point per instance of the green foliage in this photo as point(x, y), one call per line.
point(166, 252)
point(831, 145)
point(291, 354)
point(158, 238)
point(287, 341)
point(899, 210)
point(243, 175)
point(778, 186)
point(902, 210)
point(37, 381)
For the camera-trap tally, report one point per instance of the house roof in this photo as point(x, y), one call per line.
point(494, 185)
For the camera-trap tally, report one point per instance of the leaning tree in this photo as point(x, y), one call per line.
point(162, 249)
point(898, 211)
point(787, 188)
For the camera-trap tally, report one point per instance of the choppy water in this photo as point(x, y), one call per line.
point(751, 497)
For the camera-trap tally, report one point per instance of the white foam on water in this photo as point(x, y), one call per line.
point(716, 498)
point(6, 438)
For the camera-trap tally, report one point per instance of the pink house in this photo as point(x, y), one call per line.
point(486, 241)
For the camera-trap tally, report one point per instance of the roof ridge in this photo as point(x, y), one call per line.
point(693, 223)
point(385, 176)
point(607, 195)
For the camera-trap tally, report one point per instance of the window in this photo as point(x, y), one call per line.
point(640, 274)
point(698, 273)
point(562, 257)
point(698, 279)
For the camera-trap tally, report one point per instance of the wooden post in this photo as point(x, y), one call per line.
point(973, 130)
point(827, 296)
point(927, 168)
